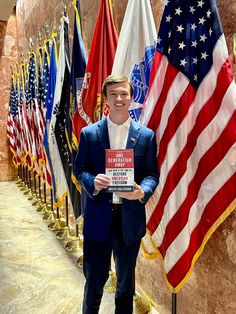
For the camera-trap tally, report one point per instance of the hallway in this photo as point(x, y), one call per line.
point(37, 274)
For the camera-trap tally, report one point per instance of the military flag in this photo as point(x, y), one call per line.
point(90, 104)
point(78, 66)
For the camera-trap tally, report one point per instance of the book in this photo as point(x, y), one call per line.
point(120, 168)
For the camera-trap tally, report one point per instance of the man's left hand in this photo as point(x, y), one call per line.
point(137, 194)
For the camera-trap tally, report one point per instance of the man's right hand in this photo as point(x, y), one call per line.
point(101, 181)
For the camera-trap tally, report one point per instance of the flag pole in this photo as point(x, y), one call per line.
point(19, 177)
point(35, 189)
point(27, 188)
point(23, 179)
point(33, 194)
point(49, 216)
point(174, 303)
point(40, 209)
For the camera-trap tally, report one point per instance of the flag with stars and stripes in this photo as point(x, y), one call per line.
point(135, 50)
point(11, 127)
point(24, 137)
point(42, 87)
point(191, 106)
point(33, 113)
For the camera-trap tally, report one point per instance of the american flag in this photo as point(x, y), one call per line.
point(12, 112)
point(191, 106)
point(42, 87)
point(32, 119)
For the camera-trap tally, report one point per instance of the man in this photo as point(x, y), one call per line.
point(114, 222)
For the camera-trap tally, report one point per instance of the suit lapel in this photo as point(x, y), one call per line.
point(134, 133)
point(102, 133)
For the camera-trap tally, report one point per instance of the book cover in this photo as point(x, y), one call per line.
point(120, 168)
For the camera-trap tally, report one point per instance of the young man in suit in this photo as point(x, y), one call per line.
point(114, 222)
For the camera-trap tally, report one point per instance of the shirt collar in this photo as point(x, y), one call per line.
point(112, 124)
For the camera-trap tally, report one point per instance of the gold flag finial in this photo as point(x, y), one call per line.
point(39, 37)
point(55, 28)
point(11, 67)
point(22, 57)
point(234, 47)
point(17, 68)
point(31, 44)
point(46, 29)
point(65, 9)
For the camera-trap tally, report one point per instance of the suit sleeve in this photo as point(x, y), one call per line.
point(82, 166)
point(151, 177)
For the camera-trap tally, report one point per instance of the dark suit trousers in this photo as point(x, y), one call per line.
point(96, 264)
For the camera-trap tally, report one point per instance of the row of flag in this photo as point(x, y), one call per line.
point(183, 89)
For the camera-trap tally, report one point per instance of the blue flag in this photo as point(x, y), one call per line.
point(49, 105)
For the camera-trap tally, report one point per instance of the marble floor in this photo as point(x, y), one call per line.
point(37, 274)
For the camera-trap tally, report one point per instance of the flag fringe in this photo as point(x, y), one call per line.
point(76, 183)
point(156, 253)
point(49, 188)
point(60, 200)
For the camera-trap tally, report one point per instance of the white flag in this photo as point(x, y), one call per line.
point(60, 179)
point(135, 50)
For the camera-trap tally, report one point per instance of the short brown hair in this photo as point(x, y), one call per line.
point(114, 79)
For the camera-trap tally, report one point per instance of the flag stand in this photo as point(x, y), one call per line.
point(65, 233)
point(57, 224)
point(174, 303)
point(44, 209)
point(76, 244)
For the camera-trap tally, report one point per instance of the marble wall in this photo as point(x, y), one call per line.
point(212, 286)
point(8, 57)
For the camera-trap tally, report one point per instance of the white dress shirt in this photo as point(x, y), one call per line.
point(118, 135)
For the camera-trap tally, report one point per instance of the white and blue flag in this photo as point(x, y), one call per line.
point(135, 50)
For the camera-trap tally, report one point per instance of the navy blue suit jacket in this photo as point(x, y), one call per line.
point(90, 160)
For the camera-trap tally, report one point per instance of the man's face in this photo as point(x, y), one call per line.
point(119, 98)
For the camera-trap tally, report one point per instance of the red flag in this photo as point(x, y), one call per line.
point(90, 106)
point(191, 107)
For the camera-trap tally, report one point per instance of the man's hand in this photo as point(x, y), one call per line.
point(101, 181)
point(137, 194)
